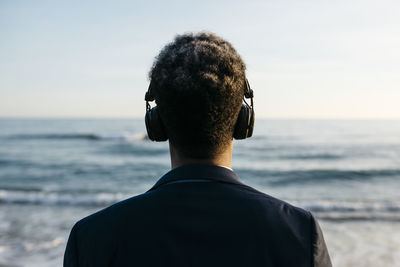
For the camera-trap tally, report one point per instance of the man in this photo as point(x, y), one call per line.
point(199, 213)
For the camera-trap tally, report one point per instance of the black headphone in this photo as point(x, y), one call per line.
point(243, 128)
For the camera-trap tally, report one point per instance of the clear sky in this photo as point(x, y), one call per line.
point(305, 59)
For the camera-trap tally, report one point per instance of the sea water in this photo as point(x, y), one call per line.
point(55, 171)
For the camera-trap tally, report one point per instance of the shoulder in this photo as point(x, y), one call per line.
point(110, 219)
point(274, 214)
point(102, 232)
point(274, 204)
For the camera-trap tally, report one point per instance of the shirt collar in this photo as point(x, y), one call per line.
point(199, 172)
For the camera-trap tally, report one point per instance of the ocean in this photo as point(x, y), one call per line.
point(55, 171)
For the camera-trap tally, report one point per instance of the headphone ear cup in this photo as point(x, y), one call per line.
point(244, 123)
point(154, 126)
point(251, 123)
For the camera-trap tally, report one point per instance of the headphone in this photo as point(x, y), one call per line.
point(243, 128)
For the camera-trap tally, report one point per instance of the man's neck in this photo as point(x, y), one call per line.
point(223, 159)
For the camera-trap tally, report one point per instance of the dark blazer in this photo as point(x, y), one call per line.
point(198, 215)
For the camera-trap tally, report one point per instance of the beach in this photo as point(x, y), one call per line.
point(54, 172)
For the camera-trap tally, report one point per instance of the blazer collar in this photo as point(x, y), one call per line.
point(199, 172)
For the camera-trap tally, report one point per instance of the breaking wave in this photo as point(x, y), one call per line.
point(327, 209)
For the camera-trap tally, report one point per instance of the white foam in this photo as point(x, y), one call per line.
point(56, 198)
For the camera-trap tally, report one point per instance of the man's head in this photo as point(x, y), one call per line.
point(198, 83)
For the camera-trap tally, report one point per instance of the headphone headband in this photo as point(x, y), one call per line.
point(248, 92)
point(149, 96)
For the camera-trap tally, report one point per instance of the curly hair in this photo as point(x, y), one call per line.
point(198, 82)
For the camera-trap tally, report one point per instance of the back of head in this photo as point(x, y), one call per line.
point(198, 82)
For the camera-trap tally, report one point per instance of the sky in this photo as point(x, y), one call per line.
point(305, 59)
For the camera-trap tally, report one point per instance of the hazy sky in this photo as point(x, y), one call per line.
point(305, 59)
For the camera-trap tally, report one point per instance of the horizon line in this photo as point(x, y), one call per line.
point(137, 117)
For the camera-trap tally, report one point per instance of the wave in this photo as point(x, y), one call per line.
point(288, 177)
point(77, 136)
point(320, 156)
point(352, 206)
point(342, 211)
point(14, 162)
point(360, 217)
point(36, 196)
point(134, 149)
point(63, 136)
point(52, 198)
